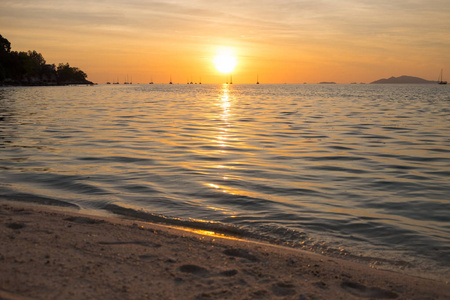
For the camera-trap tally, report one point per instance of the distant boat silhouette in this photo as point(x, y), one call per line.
point(231, 79)
point(441, 81)
point(257, 79)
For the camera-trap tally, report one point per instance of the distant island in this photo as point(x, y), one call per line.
point(403, 79)
point(30, 69)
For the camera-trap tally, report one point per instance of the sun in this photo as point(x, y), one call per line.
point(225, 61)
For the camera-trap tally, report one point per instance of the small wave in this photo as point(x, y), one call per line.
point(340, 148)
point(189, 223)
point(396, 128)
point(73, 183)
point(339, 169)
point(424, 159)
point(29, 198)
point(117, 159)
point(270, 233)
point(335, 158)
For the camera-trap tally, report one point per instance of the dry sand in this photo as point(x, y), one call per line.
point(48, 254)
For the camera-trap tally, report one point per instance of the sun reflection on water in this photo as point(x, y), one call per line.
point(223, 135)
point(225, 104)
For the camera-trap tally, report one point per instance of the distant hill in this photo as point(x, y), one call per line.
point(403, 79)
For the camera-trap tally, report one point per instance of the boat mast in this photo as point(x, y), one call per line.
point(441, 78)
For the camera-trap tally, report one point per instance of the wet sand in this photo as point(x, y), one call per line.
point(54, 254)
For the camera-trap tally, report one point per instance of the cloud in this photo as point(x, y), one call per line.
point(265, 18)
point(322, 27)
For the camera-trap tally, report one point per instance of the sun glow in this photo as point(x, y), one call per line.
point(225, 61)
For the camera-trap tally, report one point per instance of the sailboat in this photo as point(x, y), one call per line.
point(441, 79)
point(257, 79)
point(170, 82)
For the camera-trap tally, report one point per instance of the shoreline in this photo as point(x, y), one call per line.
point(46, 85)
point(47, 253)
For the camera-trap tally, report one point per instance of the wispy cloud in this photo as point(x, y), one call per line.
point(340, 30)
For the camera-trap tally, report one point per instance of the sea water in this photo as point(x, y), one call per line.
point(356, 171)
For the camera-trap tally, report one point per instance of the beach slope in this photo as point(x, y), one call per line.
point(49, 254)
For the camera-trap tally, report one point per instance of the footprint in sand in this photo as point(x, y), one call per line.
point(140, 243)
point(367, 292)
point(241, 253)
point(15, 225)
point(197, 270)
point(283, 289)
point(84, 220)
point(228, 273)
point(193, 269)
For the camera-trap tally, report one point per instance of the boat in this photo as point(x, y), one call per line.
point(441, 79)
point(257, 79)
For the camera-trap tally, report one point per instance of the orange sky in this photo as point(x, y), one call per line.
point(292, 41)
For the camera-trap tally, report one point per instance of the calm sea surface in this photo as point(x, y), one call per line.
point(358, 171)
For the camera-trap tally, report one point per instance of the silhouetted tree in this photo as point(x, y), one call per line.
point(30, 68)
point(68, 74)
point(34, 62)
point(5, 48)
point(5, 45)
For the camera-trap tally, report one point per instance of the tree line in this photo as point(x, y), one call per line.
point(30, 68)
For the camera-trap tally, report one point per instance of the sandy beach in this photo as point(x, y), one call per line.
point(62, 254)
